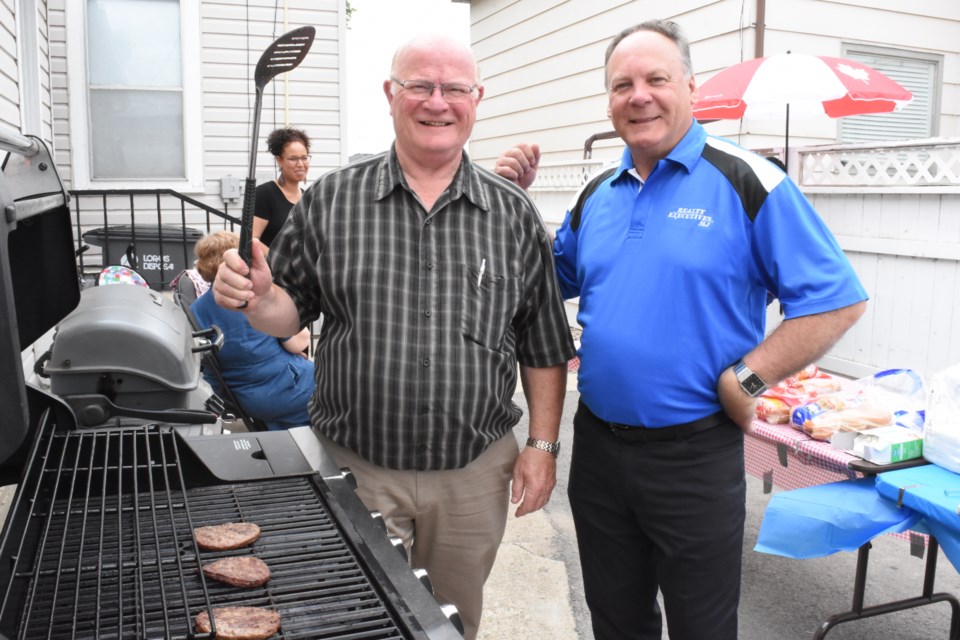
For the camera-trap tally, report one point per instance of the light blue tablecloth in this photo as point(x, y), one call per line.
point(816, 521)
point(820, 520)
point(932, 492)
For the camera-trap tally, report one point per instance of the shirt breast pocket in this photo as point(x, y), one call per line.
point(488, 303)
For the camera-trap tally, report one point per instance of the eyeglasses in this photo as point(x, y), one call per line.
point(451, 91)
point(298, 159)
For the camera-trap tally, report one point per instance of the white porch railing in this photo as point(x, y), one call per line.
point(911, 166)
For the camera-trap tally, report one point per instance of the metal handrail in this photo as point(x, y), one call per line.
point(162, 192)
point(139, 213)
point(13, 142)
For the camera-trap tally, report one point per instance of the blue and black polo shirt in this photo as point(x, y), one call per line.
point(673, 275)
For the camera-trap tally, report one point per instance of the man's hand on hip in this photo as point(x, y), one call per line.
point(735, 401)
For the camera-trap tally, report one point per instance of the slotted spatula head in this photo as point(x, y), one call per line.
point(287, 52)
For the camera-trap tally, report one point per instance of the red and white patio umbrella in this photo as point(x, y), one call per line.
point(800, 84)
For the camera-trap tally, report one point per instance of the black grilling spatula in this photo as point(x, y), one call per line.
point(286, 53)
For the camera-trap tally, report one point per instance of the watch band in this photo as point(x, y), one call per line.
point(752, 384)
point(543, 445)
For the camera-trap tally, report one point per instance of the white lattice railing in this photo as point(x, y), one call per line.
point(565, 176)
point(917, 165)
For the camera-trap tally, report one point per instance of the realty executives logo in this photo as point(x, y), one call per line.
point(698, 215)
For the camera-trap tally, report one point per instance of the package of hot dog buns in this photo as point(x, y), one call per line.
point(778, 402)
point(888, 398)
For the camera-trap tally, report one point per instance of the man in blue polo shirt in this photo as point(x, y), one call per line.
point(672, 253)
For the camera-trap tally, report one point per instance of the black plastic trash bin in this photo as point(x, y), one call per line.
point(157, 253)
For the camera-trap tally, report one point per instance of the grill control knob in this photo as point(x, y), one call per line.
point(377, 518)
point(424, 579)
point(349, 477)
point(453, 616)
point(398, 545)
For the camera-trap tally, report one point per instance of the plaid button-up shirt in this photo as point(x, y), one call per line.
point(425, 313)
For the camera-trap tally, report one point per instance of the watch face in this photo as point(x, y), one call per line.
point(753, 385)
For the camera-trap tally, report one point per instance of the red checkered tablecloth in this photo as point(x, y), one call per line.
point(785, 457)
point(788, 458)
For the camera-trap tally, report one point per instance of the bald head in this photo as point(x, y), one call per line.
point(432, 44)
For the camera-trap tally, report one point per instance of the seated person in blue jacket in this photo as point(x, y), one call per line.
point(271, 377)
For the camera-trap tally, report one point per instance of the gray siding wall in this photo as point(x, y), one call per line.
point(9, 83)
point(542, 61)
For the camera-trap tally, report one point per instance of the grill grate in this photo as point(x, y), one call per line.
point(107, 549)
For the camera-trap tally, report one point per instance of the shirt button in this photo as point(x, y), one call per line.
point(426, 362)
point(429, 265)
point(428, 313)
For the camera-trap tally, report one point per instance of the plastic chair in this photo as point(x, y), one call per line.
point(210, 362)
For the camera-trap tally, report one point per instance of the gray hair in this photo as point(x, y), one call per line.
point(666, 28)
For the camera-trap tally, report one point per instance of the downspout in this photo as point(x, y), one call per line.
point(761, 27)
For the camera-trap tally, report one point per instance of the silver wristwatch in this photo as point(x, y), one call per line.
point(543, 445)
point(752, 384)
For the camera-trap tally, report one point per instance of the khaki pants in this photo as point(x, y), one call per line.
point(451, 522)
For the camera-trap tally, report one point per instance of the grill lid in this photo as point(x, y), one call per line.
point(125, 329)
point(38, 273)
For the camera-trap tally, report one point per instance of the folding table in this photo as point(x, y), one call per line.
point(788, 458)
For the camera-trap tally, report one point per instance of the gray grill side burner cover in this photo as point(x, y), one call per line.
point(128, 343)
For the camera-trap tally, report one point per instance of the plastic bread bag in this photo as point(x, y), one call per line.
point(941, 435)
point(902, 392)
point(857, 417)
point(778, 402)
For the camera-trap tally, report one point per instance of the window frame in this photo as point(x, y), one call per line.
point(79, 109)
point(850, 50)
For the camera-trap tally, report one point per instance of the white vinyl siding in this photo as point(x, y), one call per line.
point(542, 63)
point(309, 97)
point(919, 119)
point(9, 84)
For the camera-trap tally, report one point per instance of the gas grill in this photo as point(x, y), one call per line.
point(99, 539)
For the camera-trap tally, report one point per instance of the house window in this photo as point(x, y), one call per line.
point(921, 74)
point(134, 98)
point(135, 89)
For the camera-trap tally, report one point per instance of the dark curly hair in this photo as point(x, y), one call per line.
point(280, 138)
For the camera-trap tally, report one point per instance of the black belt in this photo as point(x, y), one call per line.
point(640, 433)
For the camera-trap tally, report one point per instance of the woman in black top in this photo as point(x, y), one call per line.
point(291, 148)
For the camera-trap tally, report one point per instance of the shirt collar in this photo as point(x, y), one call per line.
point(466, 182)
point(686, 153)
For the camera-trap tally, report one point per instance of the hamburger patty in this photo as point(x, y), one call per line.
point(240, 623)
point(240, 571)
point(223, 537)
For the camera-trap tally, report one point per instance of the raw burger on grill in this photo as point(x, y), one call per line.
point(240, 571)
point(240, 623)
point(230, 535)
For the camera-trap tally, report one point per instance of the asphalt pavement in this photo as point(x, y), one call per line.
point(535, 590)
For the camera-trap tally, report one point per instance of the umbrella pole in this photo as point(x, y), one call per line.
point(786, 148)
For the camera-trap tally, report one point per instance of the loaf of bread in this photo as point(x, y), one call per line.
point(858, 418)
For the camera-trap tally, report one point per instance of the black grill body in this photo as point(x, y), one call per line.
point(99, 543)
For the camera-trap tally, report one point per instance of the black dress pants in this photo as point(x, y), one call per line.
point(659, 515)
